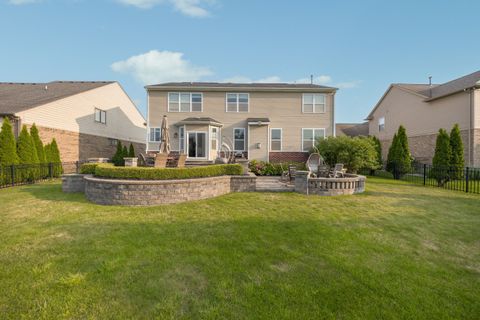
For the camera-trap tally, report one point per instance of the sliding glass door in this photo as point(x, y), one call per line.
point(197, 145)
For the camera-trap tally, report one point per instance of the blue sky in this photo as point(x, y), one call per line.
point(359, 46)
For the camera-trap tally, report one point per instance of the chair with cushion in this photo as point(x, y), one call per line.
point(161, 160)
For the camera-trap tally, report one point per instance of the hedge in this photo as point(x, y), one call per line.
point(88, 168)
point(143, 173)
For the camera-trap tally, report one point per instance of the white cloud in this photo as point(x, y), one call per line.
point(192, 8)
point(160, 66)
point(348, 84)
point(243, 79)
point(323, 79)
point(21, 2)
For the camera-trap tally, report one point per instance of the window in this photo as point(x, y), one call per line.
point(276, 139)
point(185, 102)
point(100, 116)
point(214, 138)
point(113, 142)
point(155, 134)
point(313, 103)
point(181, 137)
point(381, 124)
point(310, 136)
point(239, 139)
point(237, 102)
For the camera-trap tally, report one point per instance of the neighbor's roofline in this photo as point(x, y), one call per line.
point(476, 86)
point(242, 86)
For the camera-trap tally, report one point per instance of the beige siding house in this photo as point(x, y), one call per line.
point(423, 109)
point(269, 122)
point(86, 118)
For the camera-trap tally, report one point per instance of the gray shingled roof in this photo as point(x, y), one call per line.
point(17, 97)
point(351, 129)
point(457, 85)
point(240, 85)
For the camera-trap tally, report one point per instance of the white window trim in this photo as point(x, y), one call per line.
point(303, 129)
point(238, 102)
point(179, 101)
point(211, 137)
point(244, 139)
point(313, 110)
point(207, 149)
point(95, 115)
point(150, 135)
point(281, 139)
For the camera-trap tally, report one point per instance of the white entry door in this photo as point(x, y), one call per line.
point(197, 145)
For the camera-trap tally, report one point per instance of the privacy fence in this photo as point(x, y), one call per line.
point(30, 173)
point(458, 179)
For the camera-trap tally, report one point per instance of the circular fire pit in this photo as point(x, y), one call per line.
point(349, 184)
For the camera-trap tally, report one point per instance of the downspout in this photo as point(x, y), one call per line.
point(470, 125)
point(334, 133)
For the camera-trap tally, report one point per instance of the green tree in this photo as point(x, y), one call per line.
point(55, 158)
point(27, 154)
point(441, 160)
point(38, 144)
point(8, 150)
point(131, 151)
point(48, 153)
point(457, 161)
point(378, 148)
point(124, 152)
point(117, 158)
point(399, 159)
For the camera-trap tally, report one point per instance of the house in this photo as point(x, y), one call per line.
point(425, 108)
point(263, 121)
point(86, 118)
point(351, 129)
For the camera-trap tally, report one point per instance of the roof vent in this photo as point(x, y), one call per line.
point(46, 87)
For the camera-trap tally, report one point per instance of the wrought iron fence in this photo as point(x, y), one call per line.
point(464, 179)
point(20, 174)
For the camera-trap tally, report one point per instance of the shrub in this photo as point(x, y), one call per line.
point(27, 154)
point(399, 159)
point(441, 160)
point(355, 153)
point(117, 158)
point(262, 168)
point(457, 160)
point(143, 173)
point(88, 168)
point(131, 151)
point(378, 148)
point(8, 149)
point(38, 144)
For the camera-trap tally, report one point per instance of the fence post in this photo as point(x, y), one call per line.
point(466, 179)
point(12, 173)
point(50, 170)
point(424, 174)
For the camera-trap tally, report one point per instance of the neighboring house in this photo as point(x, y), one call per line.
point(262, 121)
point(423, 109)
point(86, 118)
point(351, 129)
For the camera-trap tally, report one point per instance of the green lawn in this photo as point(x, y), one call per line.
point(396, 251)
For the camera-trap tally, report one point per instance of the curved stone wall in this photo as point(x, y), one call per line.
point(350, 184)
point(156, 192)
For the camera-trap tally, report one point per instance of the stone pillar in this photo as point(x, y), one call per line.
point(97, 160)
point(301, 182)
point(73, 183)
point(244, 164)
point(131, 162)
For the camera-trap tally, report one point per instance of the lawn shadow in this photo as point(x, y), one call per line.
point(52, 192)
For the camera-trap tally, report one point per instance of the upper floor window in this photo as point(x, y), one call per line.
point(310, 136)
point(185, 102)
point(381, 124)
point(276, 139)
point(237, 102)
point(100, 116)
point(313, 103)
point(239, 139)
point(154, 135)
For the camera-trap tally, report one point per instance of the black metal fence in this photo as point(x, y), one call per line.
point(20, 174)
point(459, 179)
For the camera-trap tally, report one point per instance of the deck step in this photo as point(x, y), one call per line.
point(273, 184)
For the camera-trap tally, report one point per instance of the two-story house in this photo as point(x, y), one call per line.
point(264, 121)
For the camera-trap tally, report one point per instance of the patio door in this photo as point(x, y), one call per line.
point(197, 145)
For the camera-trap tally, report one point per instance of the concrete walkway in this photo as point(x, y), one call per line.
point(273, 184)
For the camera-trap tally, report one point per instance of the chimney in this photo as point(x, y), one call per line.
point(311, 79)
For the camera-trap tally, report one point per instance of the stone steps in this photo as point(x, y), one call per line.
point(273, 184)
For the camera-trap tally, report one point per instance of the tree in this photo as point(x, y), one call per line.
point(117, 159)
point(55, 158)
point(48, 153)
point(441, 159)
point(27, 154)
point(8, 150)
point(378, 148)
point(399, 159)
point(131, 151)
point(124, 153)
point(38, 144)
point(457, 160)
point(355, 153)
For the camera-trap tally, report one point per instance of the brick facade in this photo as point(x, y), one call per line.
point(423, 147)
point(288, 157)
point(80, 146)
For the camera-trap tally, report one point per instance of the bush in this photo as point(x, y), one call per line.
point(378, 148)
point(38, 144)
point(8, 149)
point(88, 168)
point(27, 154)
point(262, 168)
point(355, 153)
point(131, 151)
point(142, 173)
point(399, 159)
point(457, 160)
point(117, 158)
point(441, 160)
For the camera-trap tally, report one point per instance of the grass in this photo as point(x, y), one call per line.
point(396, 251)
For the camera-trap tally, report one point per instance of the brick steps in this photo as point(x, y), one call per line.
point(273, 184)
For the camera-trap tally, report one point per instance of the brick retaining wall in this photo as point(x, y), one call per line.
point(73, 183)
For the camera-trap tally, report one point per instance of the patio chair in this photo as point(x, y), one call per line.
point(161, 160)
point(182, 158)
point(289, 174)
point(314, 162)
point(338, 171)
point(145, 161)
